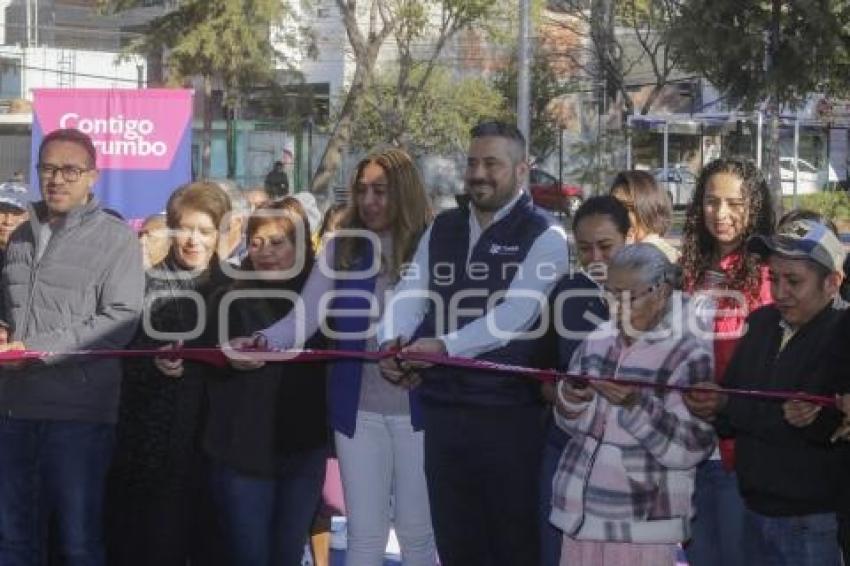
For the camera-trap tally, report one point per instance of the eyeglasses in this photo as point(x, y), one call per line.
point(614, 296)
point(70, 173)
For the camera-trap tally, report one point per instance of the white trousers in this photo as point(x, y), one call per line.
point(383, 476)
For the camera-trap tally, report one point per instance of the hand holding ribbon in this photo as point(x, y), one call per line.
point(170, 366)
point(242, 352)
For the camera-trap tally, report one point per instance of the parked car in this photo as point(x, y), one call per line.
point(679, 184)
point(810, 179)
point(548, 193)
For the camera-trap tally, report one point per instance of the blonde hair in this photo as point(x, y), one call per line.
point(409, 211)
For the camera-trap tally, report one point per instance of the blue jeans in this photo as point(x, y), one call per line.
point(53, 472)
point(806, 540)
point(720, 531)
point(267, 521)
point(550, 535)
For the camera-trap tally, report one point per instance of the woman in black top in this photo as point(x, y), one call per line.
point(267, 428)
point(158, 503)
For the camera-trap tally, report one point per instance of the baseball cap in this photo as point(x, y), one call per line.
point(802, 239)
point(14, 194)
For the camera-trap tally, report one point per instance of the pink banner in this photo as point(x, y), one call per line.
point(143, 140)
point(131, 129)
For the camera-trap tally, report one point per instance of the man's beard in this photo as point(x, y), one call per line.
point(495, 200)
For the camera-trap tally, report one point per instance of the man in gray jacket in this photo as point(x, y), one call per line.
point(73, 280)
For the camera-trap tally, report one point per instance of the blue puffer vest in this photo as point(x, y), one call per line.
point(346, 375)
point(495, 260)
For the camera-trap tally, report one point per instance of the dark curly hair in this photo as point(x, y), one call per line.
point(699, 247)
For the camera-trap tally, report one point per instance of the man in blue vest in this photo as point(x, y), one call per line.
point(478, 288)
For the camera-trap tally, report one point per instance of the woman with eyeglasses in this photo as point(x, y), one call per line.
point(378, 435)
point(266, 430)
point(731, 203)
point(622, 492)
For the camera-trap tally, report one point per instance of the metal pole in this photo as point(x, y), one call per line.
point(666, 146)
point(524, 74)
point(309, 149)
point(629, 143)
point(28, 30)
point(560, 156)
point(796, 158)
point(760, 123)
point(598, 148)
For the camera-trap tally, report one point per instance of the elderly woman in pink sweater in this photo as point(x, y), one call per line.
point(622, 493)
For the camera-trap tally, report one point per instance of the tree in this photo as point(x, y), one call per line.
point(225, 40)
point(365, 49)
point(417, 61)
point(771, 52)
point(437, 120)
point(546, 86)
point(420, 30)
point(621, 37)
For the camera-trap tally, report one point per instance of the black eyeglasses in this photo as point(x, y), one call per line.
point(70, 173)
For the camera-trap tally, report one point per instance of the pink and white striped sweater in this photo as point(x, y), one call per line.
point(627, 474)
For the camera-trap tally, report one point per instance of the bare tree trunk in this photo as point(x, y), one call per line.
point(366, 54)
point(332, 157)
point(206, 143)
point(650, 100)
point(774, 176)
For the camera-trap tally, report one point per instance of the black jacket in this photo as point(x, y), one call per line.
point(258, 418)
point(277, 183)
point(160, 420)
point(783, 470)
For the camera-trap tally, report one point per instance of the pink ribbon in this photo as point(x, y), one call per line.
point(219, 358)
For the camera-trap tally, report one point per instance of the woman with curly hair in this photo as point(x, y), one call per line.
point(731, 203)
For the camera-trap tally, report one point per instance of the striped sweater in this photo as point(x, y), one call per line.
point(627, 474)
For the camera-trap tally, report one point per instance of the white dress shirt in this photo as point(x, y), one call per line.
point(515, 314)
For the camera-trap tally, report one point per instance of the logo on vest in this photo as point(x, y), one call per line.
point(499, 249)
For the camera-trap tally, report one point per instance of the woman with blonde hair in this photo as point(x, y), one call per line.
point(377, 428)
point(158, 502)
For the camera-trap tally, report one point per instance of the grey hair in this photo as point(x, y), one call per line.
point(650, 262)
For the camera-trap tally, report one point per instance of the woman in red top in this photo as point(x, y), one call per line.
point(731, 202)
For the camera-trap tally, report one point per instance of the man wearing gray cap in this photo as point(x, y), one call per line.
point(788, 471)
point(13, 212)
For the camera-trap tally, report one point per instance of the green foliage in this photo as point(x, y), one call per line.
point(832, 204)
point(439, 119)
point(589, 163)
point(228, 39)
point(726, 40)
point(545, 87)
point(501, 28)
